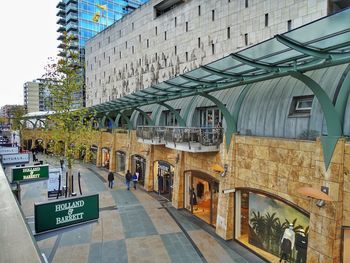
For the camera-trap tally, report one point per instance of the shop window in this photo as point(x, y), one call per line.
point(301, 106)
point(120, 161)
point(163, 179)
point(210, 117)
point(270, 227)
point(170, 119)
point(346, 244)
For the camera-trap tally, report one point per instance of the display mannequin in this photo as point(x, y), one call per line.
point(287, 243)
point(301, 246)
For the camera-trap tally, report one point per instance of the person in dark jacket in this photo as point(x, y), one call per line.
point(301, 246)
point(128, 178)
point(135, 178)
point(110, 179)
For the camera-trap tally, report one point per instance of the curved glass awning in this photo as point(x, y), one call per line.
point(322, 43)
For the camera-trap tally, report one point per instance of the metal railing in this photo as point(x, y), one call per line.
point(205, 136)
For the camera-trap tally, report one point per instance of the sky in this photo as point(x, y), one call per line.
point(28, 39)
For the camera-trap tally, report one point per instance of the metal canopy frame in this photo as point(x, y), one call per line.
point(322, 43)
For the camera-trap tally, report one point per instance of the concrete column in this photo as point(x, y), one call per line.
point(179, 183)
point(112, 160)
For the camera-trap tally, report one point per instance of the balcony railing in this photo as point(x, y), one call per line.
point(192, 139)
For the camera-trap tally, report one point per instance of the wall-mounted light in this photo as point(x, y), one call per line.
point(220, 170)
point(321, 196)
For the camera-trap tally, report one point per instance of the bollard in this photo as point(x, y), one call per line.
point(18, 192)
point(81, 193)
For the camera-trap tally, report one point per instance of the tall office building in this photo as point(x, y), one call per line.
point(85, 18)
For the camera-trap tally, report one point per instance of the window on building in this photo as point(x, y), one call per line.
point(109, 59)
point(175, 21)
point(301, 106)
point(199, 10)
point(213, 49)
point(120, 54)
point(147, 43)
point(186, 26)
point(175, 50)
point(199, 42)
point(164, 35)
point(228, 32)
point(90, 49)
point(109, 40)
point(212, 15)
point(140, 38)
point(104, 55)
point(104, 74)
point(156, 55)
point(120, 33)
point(132, 49)
point(114, 50)
point(132, 26)
point(115, 70)
point(289, 25)
point(156, 30)
point(246, 39)
point(126, 44)
point(266, 20)
point(186, 56)
point(246, 4)
point(99, 44)
point(99, 63)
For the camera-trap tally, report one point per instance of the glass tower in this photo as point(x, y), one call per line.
point(85, 18)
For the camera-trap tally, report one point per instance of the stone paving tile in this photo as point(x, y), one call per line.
point(78, 235)
point(112, 227)
point(162, 221)
point(136, 223)
point(179, 248)
point(210, 248)
point(145, 199)
point(185, 223)
point(147, 249)
point(72, 254)
point(106, 252)
point(106, 199)
point(124, 198)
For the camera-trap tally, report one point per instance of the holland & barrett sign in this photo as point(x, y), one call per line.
point(30, 173)
point(66, 212)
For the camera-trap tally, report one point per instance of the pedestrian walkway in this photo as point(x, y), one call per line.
point(133, 227)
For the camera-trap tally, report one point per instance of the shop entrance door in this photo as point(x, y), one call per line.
point(163, 179)
point(202, 197)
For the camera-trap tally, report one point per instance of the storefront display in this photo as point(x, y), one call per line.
point(346, 244)
point(271, 227)
point(138, 164)
point(163, 179)
point(201, 197)
point(120, 161)
point(105, 158)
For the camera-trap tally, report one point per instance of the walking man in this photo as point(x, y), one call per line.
point(110, 179)
point(128, 178)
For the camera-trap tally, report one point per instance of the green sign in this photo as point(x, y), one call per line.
point(65, 212)
point(30, 173)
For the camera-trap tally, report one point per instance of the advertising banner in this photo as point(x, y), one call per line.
point(53, 183)
point(30, 173)
point(15, 158)
point(65, 212)
point(8, 150)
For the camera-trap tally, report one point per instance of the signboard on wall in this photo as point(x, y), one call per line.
point(53, 183)
point(65, 212)
point(8, 150)
point(30, 173)
point(15, 158)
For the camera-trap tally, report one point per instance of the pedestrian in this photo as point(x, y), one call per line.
point(61, 163)
point(110, 179)
point(128, 178)
point(135, 178)
point(34, 155)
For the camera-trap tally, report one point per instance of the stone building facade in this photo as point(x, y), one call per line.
point(144, 49)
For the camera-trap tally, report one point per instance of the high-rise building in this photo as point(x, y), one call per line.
point(36, 96)
point(85, 18)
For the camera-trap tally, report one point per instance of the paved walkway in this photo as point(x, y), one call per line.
point(133, 227)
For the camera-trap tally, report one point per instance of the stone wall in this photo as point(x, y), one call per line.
point(133, 53)
point(276, 166)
